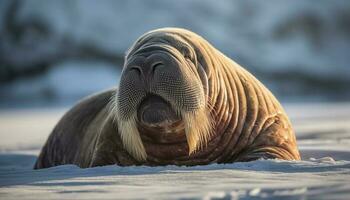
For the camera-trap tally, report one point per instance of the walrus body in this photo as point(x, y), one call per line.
point(179, 102)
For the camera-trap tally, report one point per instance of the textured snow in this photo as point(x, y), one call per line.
point(323, 132)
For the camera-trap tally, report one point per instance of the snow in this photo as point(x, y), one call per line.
point(323, 132)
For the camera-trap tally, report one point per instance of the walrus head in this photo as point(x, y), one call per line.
point(163, 84)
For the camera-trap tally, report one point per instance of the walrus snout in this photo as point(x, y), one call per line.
point(163, 74)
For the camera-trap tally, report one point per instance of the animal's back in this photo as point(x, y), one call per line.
point(77, 130)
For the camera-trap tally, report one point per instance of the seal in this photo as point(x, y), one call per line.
point(180, 101)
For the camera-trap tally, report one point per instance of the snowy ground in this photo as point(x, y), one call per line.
point(323, 132)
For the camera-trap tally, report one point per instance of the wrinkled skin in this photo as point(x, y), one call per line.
point(180, 101)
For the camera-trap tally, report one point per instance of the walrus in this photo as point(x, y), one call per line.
point(180, 101)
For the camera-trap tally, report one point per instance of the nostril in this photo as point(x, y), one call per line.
point(156, 65)
point(137, 69)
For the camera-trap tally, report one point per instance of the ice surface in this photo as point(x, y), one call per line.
point(323, 132)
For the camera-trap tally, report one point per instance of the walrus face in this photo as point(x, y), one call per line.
point(160, 86)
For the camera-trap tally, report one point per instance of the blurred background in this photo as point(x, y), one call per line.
point(53, 53)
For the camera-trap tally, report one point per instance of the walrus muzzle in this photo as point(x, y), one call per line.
point(158, 87)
